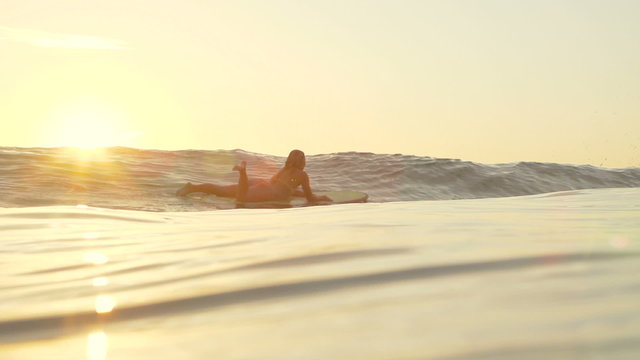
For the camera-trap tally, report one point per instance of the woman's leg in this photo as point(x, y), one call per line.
point(218, 190)
point(257, 191)
point(243, 181)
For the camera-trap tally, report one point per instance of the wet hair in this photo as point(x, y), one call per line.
point(296, 160)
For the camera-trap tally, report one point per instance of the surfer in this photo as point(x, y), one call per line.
point(281, 187)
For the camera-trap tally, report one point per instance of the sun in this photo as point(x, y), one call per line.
point(89, 124)
point(87, 131)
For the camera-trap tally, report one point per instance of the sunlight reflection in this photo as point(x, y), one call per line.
point(97, 346)
point(84, 164)
point(91, 235)
point(87, 153)
point(100, 281)
point(620, 242)
point(95, 258)
point(82, 206)
point(105, 304)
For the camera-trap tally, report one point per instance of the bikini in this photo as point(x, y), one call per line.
point(289, 185)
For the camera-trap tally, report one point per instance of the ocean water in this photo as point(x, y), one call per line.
point(449, 260)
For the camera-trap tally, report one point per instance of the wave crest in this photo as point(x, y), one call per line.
point(147, 179)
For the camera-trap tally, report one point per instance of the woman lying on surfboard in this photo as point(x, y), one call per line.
point(280, 188)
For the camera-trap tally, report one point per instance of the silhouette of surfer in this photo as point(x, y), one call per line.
point(281, 187)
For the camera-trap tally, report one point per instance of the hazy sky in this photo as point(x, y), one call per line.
point(490, 81)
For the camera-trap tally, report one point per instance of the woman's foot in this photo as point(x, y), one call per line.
point(241, 167)
point(184, 190)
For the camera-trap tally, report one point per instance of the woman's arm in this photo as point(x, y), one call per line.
point(306, 187)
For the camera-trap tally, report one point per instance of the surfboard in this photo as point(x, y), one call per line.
point(337, 197)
